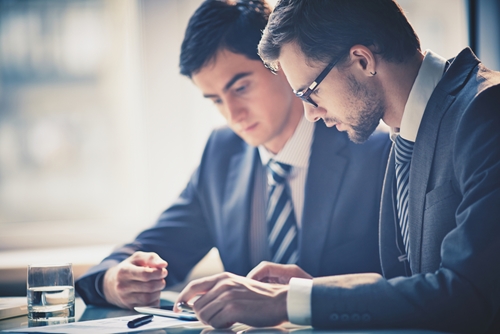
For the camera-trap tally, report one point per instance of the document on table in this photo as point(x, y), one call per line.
point(13, 307)
point(110, 325)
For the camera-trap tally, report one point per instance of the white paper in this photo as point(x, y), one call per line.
point(13, 307)
point(109, 325)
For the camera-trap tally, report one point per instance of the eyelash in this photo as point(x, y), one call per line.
point(240, 89)
point(237, 90)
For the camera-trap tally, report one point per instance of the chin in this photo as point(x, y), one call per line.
point(252, 141)
point(358, 138)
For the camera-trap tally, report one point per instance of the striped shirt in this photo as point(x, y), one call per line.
point(296, 153)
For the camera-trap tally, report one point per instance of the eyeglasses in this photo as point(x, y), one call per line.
point(305, 95)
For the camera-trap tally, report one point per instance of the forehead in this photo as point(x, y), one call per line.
point(223, 67)
point(299, 71)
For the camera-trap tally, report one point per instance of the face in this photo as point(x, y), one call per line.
point(258, 106)
point(345, 98)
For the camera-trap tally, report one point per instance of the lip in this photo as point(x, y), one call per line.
point(250, 128)
point(330, 124)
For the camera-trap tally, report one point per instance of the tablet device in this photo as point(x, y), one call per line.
point(166, 311)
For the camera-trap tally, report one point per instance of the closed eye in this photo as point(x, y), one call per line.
point(240, 89)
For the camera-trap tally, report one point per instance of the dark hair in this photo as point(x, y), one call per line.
point(222, 24)
point(326, 29)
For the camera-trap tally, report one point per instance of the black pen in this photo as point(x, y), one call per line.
point(139, 321)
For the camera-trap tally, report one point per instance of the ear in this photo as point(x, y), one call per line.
point(363, 59)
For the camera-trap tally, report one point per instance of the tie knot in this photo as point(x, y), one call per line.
point(277, 172)
point(403, 149)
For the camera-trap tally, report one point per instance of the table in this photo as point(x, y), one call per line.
point(84, 313)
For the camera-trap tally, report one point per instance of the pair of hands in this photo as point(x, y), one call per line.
point(258, 300)
point(224, 298)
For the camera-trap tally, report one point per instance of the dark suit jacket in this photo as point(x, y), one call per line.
point(454, 221)
point(339, 231)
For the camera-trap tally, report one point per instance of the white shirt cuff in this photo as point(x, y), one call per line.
point(298, 301)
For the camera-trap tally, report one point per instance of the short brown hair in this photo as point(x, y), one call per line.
point(326, 29)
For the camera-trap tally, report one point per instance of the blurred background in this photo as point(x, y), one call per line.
point(99, 133)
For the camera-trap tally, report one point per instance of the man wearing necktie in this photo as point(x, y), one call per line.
point(319, 209)
point(354, 62)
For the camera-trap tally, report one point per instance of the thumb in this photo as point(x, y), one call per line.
point(265, 271)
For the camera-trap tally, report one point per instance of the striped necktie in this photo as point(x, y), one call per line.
point(280, 217)
point(403, 150)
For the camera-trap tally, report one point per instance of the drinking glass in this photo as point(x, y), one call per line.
point(51, 294)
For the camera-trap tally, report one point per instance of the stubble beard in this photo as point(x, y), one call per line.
point(368, 111)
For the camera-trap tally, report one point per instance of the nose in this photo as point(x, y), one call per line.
point(235, 111)
point(313, 113)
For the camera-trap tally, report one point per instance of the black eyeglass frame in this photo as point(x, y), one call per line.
point(305, 95)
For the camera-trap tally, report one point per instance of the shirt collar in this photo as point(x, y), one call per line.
point(430, 73)
point(297, 149)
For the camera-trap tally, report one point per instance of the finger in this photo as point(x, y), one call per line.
point(265, 270)
point(125, 287)
point(142, 299)
point(148, 259)
point(129, 271)
point(198, 287)
point(222, 319)
point(225, 296)
point(277, 273)
point(211, 305)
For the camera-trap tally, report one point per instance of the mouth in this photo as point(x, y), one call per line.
point(249, 128)
point(329, 123)
point(340, 127)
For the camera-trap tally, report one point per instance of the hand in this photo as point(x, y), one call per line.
point(270, 272)
point(136, 281)
point(248, 330)
point(227, 298)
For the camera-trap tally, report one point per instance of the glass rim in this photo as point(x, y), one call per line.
point(49, 265)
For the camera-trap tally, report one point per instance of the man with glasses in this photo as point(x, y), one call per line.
point(270, 186)
point(440, 212)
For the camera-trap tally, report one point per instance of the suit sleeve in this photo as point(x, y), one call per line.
point(181, 236)
point(463, 295)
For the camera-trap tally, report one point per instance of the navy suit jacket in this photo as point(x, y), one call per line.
point(454, 221)
point(339, 231)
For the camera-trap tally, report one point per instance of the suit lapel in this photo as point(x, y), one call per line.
point(236, 211)
point(425, 145)
point(327, 165)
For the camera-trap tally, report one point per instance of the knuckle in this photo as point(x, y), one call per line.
point(121, 271)
point(137, 255)
point(146, 298)
point(121, 287)
point(226, 275)
point(227, 296)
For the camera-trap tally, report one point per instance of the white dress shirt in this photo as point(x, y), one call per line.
point(429, 75)
point(296, 153)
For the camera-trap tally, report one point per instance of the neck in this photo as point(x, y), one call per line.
point(399, 79)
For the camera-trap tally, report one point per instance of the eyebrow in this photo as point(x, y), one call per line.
point(231, 82)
